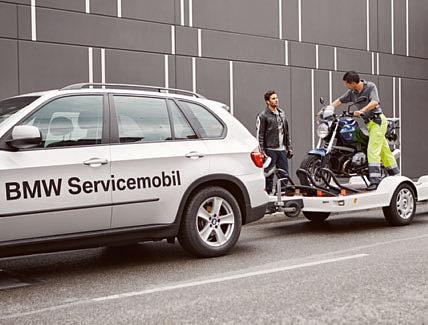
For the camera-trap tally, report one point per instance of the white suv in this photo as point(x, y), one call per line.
point(106, 164)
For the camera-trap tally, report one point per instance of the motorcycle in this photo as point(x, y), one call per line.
point(342, 145)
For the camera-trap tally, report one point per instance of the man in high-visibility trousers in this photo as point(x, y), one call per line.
point(378, 149)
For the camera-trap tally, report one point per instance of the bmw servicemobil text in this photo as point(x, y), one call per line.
point(53, 187)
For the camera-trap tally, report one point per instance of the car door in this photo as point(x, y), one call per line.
point(57, 187)
point(156, 158)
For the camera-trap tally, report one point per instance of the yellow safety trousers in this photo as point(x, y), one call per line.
point(378, 148)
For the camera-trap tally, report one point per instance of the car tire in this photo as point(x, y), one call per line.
point(402, 208)
point(316, 216)
point(205, 232)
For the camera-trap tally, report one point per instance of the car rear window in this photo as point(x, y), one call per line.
point(207, 124)
point(10, 106)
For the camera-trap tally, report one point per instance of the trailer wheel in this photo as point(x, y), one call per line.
point(402, 208)
point(316, 216)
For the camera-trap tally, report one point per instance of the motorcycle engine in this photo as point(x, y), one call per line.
point(359, 159)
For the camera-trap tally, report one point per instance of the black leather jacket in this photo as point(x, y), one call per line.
point(267, 130)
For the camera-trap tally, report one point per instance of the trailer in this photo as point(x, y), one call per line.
point(396, 195)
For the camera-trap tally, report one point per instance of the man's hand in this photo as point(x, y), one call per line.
point(289, 153)
point(358, 113)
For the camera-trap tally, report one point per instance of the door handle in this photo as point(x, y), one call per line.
point(95, 162)
point(194, 155)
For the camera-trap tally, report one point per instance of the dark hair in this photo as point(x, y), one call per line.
point(351, 76)
point(268, 94)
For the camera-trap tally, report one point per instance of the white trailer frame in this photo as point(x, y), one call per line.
point(379, 198)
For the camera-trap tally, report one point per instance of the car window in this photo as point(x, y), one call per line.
point(69, 121)
point(10, 106)
point(182, 128)
point(142, 119)
point(208, 125)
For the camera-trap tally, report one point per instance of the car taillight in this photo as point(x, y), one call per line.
point(257, 158)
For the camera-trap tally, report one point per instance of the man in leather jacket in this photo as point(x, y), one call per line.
point(274, 139)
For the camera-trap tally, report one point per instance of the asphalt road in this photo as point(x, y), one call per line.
point(354, 269)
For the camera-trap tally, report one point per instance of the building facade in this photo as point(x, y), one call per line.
point(231, 51)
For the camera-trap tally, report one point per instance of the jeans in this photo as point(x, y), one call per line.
point(279, 161)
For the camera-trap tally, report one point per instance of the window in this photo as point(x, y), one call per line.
point(69, 121)
point(182, 128)
point(207, 124)
point(10, 106)
point(142, 119)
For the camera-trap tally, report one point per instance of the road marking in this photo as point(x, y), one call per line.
point(183, 285)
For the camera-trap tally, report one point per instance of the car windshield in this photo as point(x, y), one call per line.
point(10, 106)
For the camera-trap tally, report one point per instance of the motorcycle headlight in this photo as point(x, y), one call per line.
point(322, 130)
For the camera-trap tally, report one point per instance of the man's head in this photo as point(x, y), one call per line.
point(271, 99)
point(351, 79)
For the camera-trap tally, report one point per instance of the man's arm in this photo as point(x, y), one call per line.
point(288, 146)
point(345, 98)
point(336, 103)
point(372, 105)
point(260, 132)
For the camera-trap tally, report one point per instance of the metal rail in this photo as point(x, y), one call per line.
point(131, 87)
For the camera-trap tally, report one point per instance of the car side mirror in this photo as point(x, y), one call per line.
point(25, 137)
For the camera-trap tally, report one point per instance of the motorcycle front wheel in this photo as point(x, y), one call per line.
point(313, 164)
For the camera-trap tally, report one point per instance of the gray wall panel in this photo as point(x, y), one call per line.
point(386, 95)
point(134, 68)
point(326, 57)
point(76, 5)
point(301, 114)
point(418, 28)
point(172, 69)
point(24, 2)
point(66, 65)
point(321, 25)
point(400, 27)
point(251, 48)
point(183, 74)
point(104, 7)
point(243, 16)
point(8, 68)
point(24, 22)
point(213, 72)
point(290, 20)
point(321, 89)
point(96, 62)
point(93, 30)
point(251, 81)
point(348, 59)
point(302, 54)
point(373, 10)
point(186, 40)
point(8, 20)
point(151, 10)
point(395, 65)
point(413, 121)
point(384, 25)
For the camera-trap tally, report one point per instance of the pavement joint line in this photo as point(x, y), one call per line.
point(183, 285)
